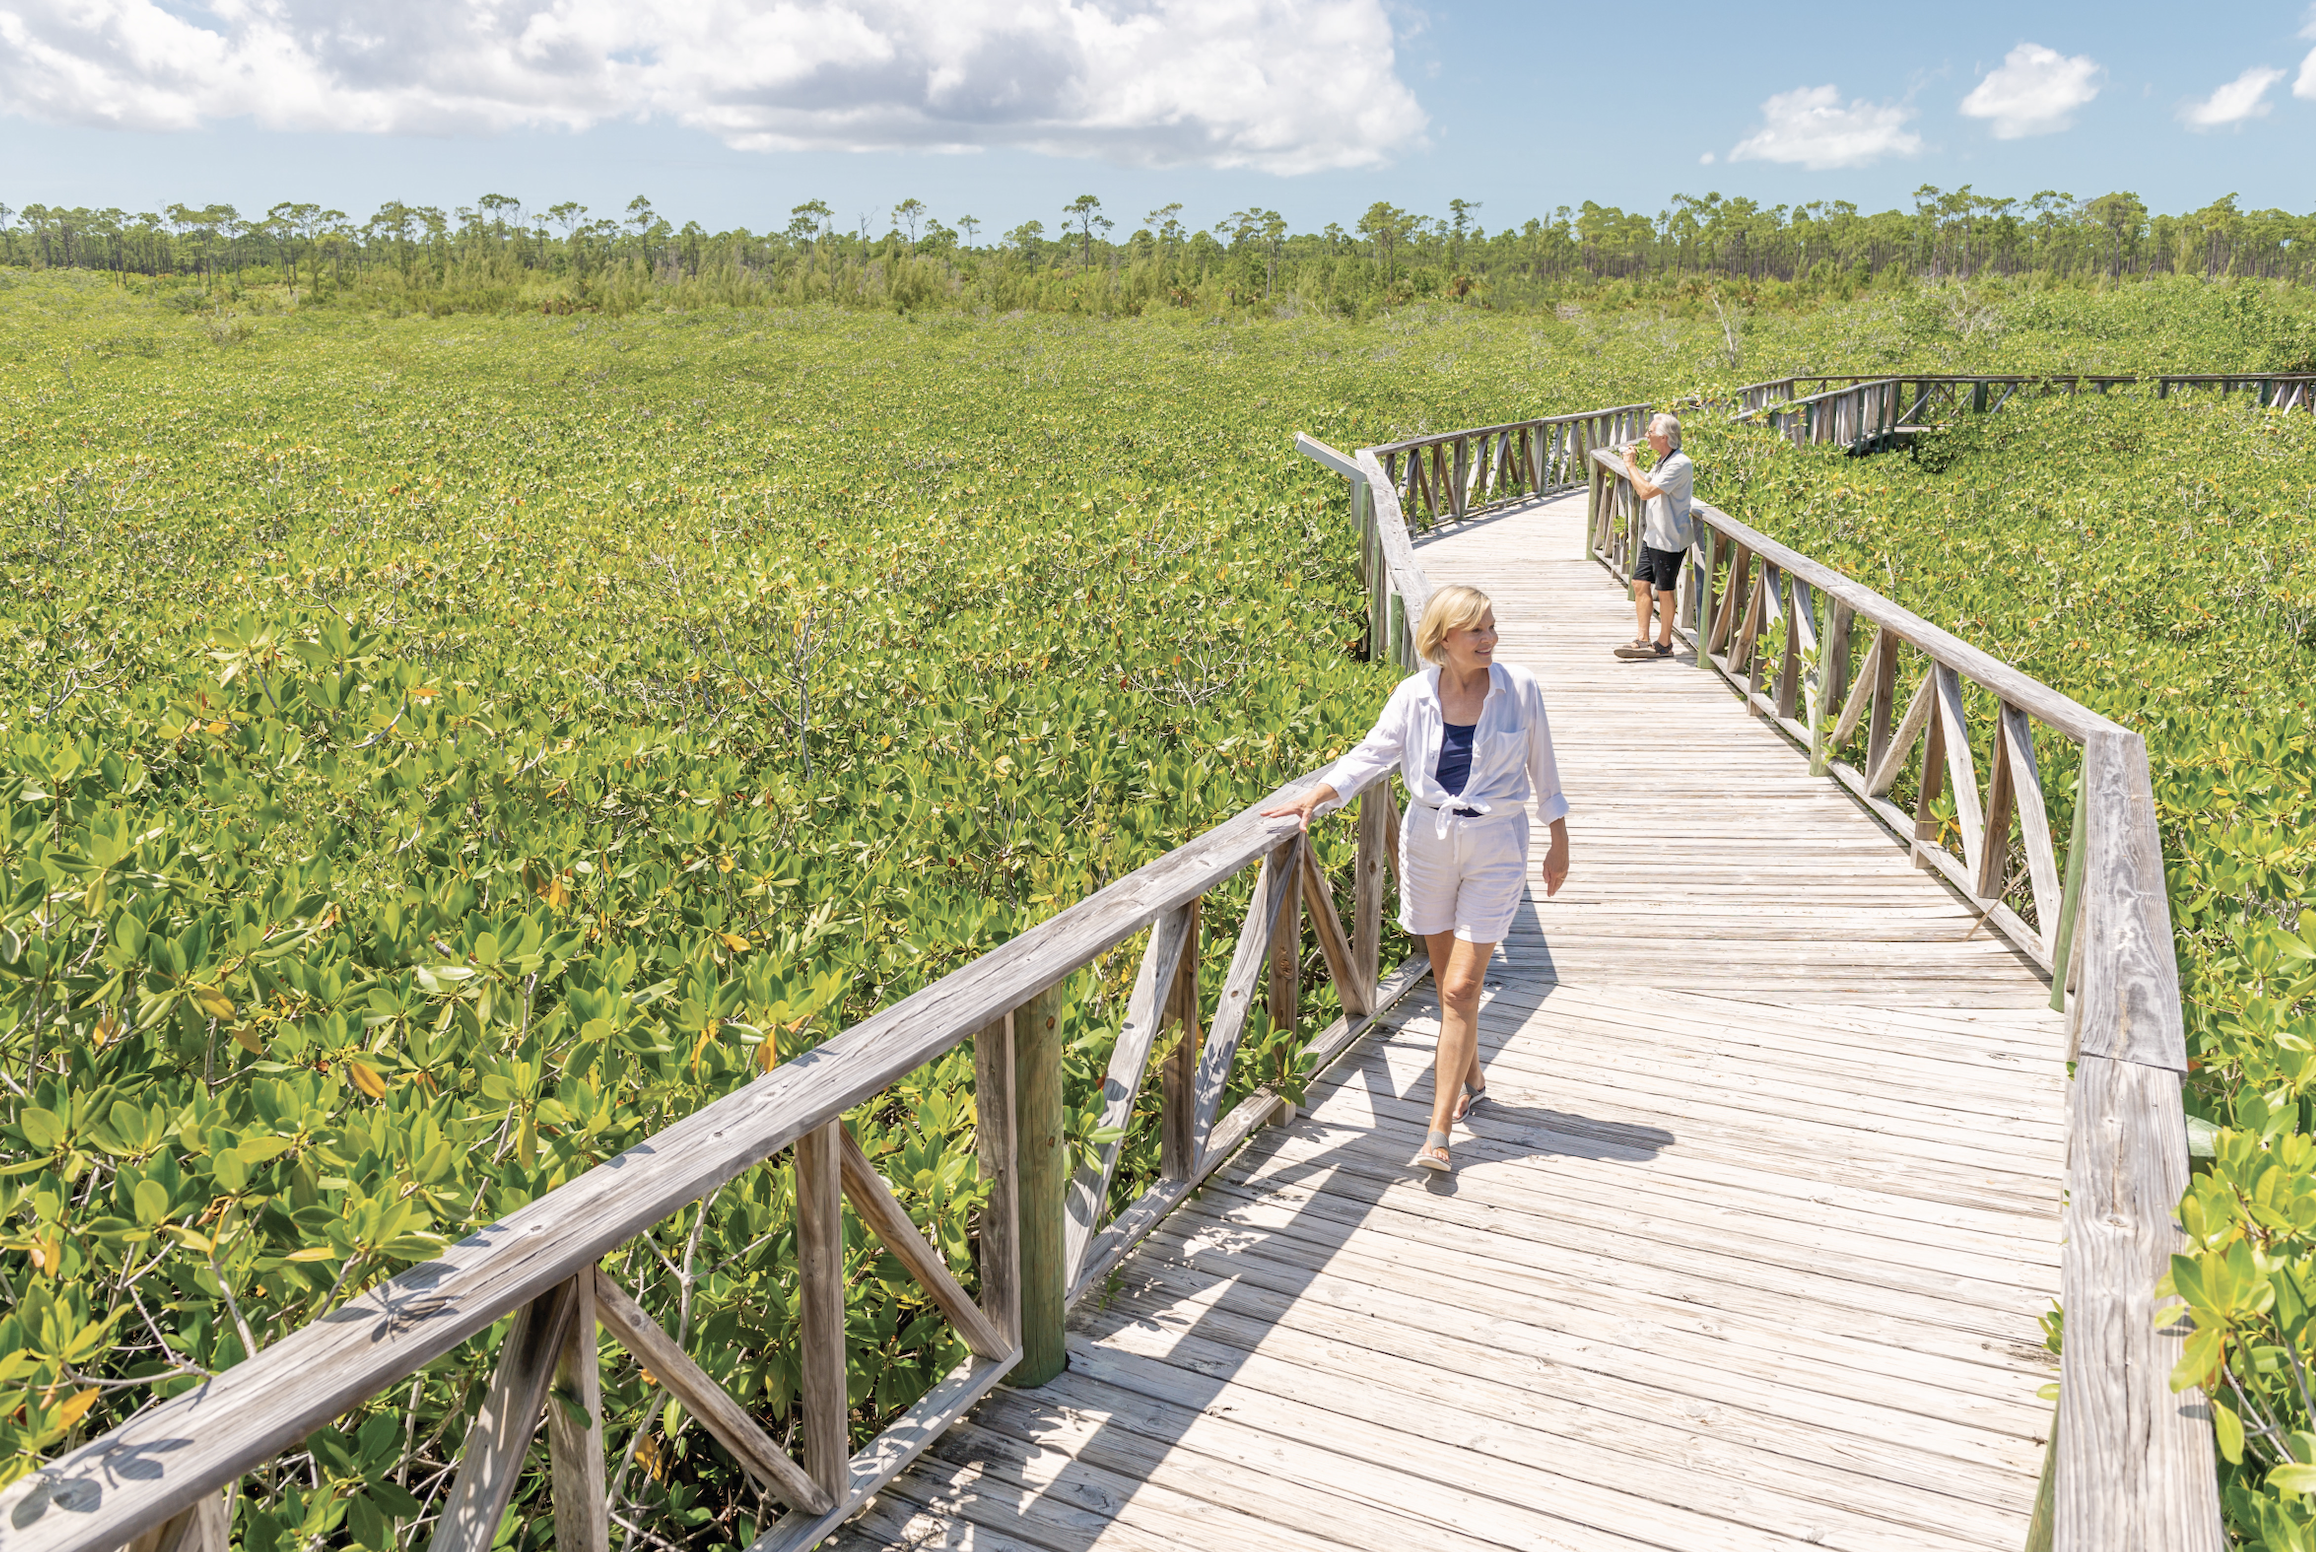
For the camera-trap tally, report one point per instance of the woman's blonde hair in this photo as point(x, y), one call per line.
point(1451, 608)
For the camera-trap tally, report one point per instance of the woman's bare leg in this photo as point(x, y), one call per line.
point(1457, 970)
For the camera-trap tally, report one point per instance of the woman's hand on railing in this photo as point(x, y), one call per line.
point(1301, 809)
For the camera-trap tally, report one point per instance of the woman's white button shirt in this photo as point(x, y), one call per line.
point(1511, 748)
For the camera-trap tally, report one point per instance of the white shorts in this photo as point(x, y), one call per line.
point(1472, 879)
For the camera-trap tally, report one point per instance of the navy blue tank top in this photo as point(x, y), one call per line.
point(1455, 757)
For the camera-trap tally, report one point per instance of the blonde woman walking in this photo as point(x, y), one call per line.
point(1471, 742)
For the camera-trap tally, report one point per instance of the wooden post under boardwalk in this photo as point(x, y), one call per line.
point(1043, 1180)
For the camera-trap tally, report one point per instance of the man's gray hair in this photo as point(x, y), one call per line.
point(1670, 425)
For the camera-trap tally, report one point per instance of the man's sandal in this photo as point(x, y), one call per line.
point(1636, 651)
point(1433, 1154)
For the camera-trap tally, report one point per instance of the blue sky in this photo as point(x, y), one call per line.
point(732, 111)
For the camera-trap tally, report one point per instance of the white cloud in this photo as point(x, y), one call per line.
point(1287, 86)
point(1706, 160)
point(1809, 125)
point(2243, 98)
point(2034, 91)
point(2305, 85)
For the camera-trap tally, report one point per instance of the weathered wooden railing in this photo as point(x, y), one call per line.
point(1451, 476)
point(1819, 656)
point(162, 1480)
point(1866, 414)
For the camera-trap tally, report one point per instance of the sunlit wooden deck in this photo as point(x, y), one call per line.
point(1749, 1253)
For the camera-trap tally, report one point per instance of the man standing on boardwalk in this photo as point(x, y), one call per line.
point(1666, 533)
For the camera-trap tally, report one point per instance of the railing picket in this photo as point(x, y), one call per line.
point(1961, 768)
point(1247, 962)
point(2070, 904)
point(1793, 687)
point(206, 1527)
point(1741, 649)
point(1177, 1145)
point(1860, 695)
point(1880, 729)
point(1327, 927)
point(499, 1438)
point(1732, 601)
point(873, 1202)
point(1993, 866)
point(1145, 1011)
point(1282, 992)
point(2034, 822)
point(1896, 745)
point(727, 1422)
point(1932, 779)
point(575, 1443)
point(1700, 610)
point(1367, 885)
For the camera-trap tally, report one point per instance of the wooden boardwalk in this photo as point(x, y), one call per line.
point(1749, 1253)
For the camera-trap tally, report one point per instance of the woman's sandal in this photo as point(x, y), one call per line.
point(1433, 1154)
point(1473, 1099)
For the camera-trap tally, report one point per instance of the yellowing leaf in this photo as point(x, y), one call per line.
point(246, 1036)
point(76, 1407)
point(365, 1077)
point(213, 1002)
point(311, 1253)
point(735, 942)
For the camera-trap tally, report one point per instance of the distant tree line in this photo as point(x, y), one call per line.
point(500, 252)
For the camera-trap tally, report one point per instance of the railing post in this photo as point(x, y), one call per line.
point(1042, 1177)
point(1000, 1229)
point(575, 1444)
point(820, 1335)
point(2135, 1460)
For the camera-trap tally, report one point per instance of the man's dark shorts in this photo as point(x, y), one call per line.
point(1660, 569)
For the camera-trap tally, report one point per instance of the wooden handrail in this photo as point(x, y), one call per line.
point(162, 1470)
point(1451, 476)
point(1842, 406)
point(1430, 438)
point(2132, 1461)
